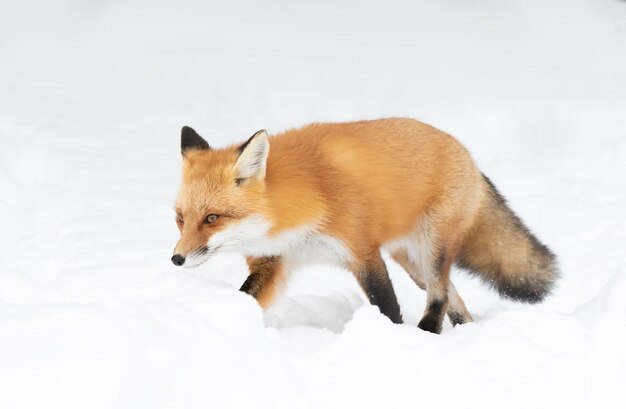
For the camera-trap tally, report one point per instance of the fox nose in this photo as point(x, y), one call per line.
point(178, 260)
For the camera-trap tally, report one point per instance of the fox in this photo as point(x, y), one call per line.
point(344, 193)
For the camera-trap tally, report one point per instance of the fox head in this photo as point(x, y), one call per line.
point(221, 197)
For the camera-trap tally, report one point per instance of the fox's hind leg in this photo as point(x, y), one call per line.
point(374, 280)
point(457, 312)
point(268, 276)
point(401, 257)
point(429, 255)
point(436, 278)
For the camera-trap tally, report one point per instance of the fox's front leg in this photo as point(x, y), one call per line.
point(266, 280)
point(371, 273)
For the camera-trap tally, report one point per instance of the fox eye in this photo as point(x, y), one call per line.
point(212, 218)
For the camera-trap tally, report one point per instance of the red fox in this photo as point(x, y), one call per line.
point(339, 193)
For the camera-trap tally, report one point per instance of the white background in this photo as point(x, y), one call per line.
point(92, 98)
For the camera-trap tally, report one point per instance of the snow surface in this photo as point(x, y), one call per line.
point(92, 97)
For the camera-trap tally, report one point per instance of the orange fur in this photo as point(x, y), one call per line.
point(370, 180)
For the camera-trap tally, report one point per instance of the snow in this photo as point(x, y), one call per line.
point(92, 99)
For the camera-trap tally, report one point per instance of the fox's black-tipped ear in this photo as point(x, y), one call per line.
point(189, 139)
point(252, 157)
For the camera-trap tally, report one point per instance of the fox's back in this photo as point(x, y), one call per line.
point(377, 177)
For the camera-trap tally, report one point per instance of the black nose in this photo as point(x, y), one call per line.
point(178, 260)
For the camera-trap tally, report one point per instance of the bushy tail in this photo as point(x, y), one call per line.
point(502, 251)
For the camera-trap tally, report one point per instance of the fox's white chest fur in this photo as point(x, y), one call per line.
point(302, 244)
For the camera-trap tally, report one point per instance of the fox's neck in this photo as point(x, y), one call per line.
point(293, 202)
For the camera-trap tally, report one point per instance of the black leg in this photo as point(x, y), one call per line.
point(264, 279)
point(432, 320)
point(436, 294)
point(253, 284)
point(374, 279)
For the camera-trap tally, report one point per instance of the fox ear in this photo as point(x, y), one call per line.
point(189, 139)
point(252, 157)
